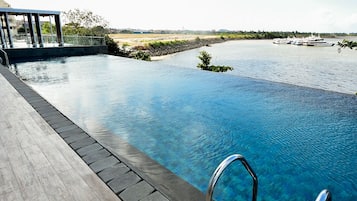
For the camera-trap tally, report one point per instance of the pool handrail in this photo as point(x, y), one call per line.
point(324, 195)
point(4, 58)
point(222, 166)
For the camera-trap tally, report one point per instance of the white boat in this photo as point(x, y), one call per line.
point(308, 41)
point(319, 43)
point(282, 40)
point(298, 41)
point(316, 41)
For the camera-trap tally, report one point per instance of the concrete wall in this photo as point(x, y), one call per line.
point(31, 54)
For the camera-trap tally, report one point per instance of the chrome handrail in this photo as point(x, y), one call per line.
point(218, 172)
point(324, 195)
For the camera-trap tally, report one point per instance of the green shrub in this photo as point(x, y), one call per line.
point(113, 48)
point(159, 44)
point(220, 68)
point(205, 58)
point(141, 55)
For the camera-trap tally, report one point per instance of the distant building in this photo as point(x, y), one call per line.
point(142, 32)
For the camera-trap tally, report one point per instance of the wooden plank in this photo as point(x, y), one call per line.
point(16, 156)
point(52, 184)
point(37, 159)
point(55, 157)
point(82, 190)
point(4, 160)
point(8, 183)
point(25, 140)
point(13, 196)
point(29, 186)
point(35, 162)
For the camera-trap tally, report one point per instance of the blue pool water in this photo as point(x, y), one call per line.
point(298, 140)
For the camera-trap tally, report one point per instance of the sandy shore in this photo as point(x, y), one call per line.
point(162, 57)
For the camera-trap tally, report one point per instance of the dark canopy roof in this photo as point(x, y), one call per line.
point(16, 11)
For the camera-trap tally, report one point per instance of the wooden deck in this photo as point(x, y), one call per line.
point(35, 162)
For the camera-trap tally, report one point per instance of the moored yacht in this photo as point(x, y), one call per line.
point(307, 41)
point(316, 41)
point(282, 40)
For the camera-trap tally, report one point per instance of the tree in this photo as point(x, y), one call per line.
point(205, 58)
point(47, 27)
point(98, 31)
point(84, 23)
point(83, 18)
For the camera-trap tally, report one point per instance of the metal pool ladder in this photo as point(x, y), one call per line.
point(324, 195)
point(224, 164)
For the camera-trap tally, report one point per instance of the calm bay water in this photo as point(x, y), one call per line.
point(298, 140)
point(316, 67)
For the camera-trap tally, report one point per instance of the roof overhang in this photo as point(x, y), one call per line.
point(17, 11)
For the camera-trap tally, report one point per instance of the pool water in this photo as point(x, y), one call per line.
point(298, 140)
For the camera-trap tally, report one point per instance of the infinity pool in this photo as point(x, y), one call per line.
point(298, 140)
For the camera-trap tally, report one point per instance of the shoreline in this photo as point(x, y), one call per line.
point(162, 57)
point(190, 44)
point(159, 46)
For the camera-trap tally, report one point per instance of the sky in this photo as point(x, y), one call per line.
point(246, 15)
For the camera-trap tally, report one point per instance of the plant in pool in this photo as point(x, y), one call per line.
point(205, 58)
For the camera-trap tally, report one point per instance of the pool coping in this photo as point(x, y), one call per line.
point(128, 172)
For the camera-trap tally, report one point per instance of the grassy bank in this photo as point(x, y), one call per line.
point(162, 44)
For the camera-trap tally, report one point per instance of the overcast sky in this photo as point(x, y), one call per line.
point(267, 15)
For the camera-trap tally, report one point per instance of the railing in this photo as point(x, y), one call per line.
point(324, 195)
point(23, 40)
point(84, 40)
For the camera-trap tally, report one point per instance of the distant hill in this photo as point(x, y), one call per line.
point(4, 4)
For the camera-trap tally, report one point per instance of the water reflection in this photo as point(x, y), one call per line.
point(38, 72)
